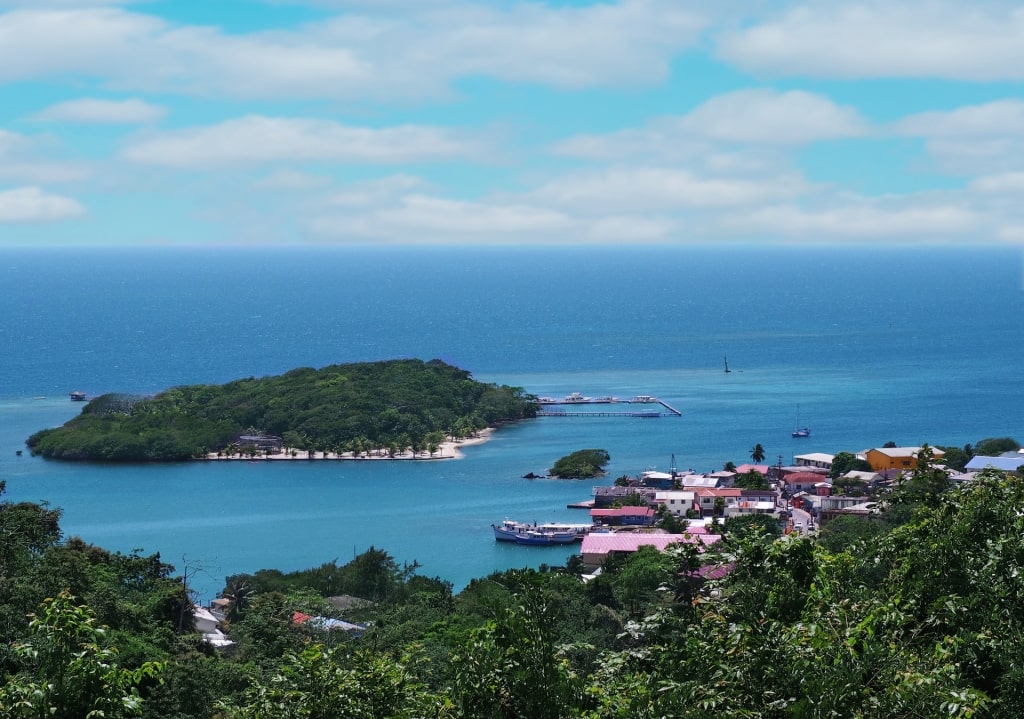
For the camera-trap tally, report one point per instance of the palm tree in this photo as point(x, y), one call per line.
point(757, 454)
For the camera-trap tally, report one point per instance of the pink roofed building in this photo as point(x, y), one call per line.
point(598, 545)
point(759, 468)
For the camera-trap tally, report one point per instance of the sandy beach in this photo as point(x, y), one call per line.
point(446, 450)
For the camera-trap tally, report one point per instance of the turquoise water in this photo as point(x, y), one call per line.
point(900, 345)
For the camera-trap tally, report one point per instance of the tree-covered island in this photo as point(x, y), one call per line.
point(390, 406)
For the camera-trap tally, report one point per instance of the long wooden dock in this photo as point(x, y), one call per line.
point(575, 402)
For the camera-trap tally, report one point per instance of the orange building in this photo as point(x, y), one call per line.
point(884, 458)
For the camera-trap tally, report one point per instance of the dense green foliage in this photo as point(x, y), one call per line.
point(919, 613)
point(582, 464)
point(391, 406)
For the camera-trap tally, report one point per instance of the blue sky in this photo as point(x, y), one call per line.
point(476, 122)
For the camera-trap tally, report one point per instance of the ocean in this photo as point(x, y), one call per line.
point(909, 345)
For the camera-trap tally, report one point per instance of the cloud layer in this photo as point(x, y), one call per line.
point(527, 121)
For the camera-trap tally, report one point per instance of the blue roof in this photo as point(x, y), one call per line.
point(1007, 464)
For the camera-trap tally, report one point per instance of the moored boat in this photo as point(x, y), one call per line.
point(551, 533)
point(541, 537)
point(509, 530)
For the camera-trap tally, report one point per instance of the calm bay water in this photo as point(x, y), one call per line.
point(905, 345)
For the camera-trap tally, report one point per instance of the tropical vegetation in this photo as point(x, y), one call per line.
point(916, 613)
point(389, 406)
point(581, 464)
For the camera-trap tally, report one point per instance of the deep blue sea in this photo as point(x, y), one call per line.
point(868, 345)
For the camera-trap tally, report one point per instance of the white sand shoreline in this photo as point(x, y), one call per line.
point(446, 450)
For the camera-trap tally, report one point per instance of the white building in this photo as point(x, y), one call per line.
point(815, 459)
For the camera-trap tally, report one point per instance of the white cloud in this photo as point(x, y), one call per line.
point(30, 204)
point(617, 229)
point(424, 219)
point(860, 220)
point(413, 54)
point(256, 139)
point(767, 116)
point(757, 117)
point(20, 161)
point(38, 4)
point(884, 38)
point(93, 110)
point(293, 180)
point(999, 118)
point(1007, 183)
point(654, 189)
point(975, 139)
point(375, 192)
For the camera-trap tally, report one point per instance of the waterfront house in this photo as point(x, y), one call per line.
point(598, 545)
point(814, 459)
point(677, 502)
point(882, 458)
point(623, 516)
point(747, 468)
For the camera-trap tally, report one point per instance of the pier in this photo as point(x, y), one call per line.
point(576, 399)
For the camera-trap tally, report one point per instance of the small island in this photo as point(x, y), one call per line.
point(581, 464)
point(386, 409)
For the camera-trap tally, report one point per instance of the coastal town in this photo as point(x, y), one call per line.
point(660, 509)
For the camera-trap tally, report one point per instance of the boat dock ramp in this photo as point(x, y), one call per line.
point(551, 407)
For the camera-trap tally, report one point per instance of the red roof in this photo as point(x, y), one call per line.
point(805, 478)
point(623, 512)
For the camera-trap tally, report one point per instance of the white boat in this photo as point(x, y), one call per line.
point(534, 534)
point(799, 431)
point(575, 397)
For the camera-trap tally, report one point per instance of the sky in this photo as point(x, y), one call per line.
point(480, 122)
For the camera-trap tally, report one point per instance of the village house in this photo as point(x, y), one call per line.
point(802, 482)
point(883, 458)
point(623, 516)
point(814, 459)
point(209, 626)
point(1003, 463)
point(597, 546)
point(735, 501)
point(702, 481)
point(677, 502)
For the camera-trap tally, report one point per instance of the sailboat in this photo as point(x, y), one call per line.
point(727, 370)
point(799, 431)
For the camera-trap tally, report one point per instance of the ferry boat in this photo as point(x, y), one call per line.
point(534, 534)
point(78, 396)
